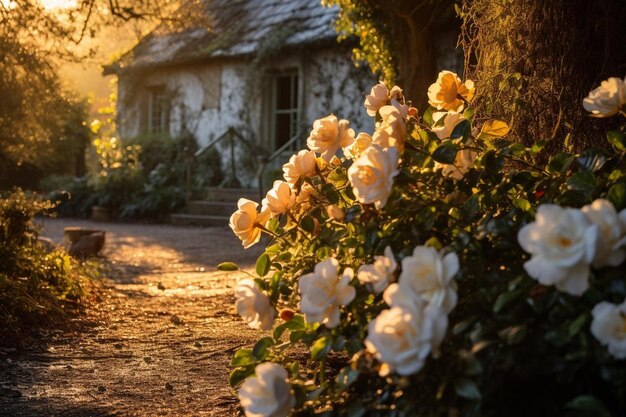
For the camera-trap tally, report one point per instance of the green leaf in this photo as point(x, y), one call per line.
point(295, 324)
point(320, 348)
point(308, 224)
point(583, 181)
point(263, 265)
point(243, 357)
point(330, 192)
point(617, 139)
point(427, 117)
point(346, 377)
point(617, 196)
point(239, 375)
point(466, 388)
point(445, 154)
point(259, 352)
point(513, 334)
point(576, 325)
point(588, 405)
point(522, 204)
point(504, 299)
point(538, 146)
point(228, 266)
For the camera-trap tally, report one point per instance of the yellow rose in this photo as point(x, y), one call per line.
point(444, 94)
point(328, 135)
point(245, 222)
point(452, 118)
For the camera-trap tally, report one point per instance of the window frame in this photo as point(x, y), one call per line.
point(294, 110)
point(158, 94)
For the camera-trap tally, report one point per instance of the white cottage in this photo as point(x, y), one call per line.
point(264, 69)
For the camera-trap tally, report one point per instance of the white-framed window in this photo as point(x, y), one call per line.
point(158, 110)
point(284, 107)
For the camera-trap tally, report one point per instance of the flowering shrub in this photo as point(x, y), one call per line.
point(485, 284)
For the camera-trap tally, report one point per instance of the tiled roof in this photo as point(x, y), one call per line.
point(234, 28)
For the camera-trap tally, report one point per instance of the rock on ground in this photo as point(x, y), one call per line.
point(157, 343)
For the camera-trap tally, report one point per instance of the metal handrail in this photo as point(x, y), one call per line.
point(265, 161)
point(230, 132)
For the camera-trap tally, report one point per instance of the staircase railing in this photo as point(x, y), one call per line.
point(264, 161)
point(231, 180)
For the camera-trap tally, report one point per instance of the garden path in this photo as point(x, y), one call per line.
point(157, 342)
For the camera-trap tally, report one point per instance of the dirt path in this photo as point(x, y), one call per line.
point(158, 343)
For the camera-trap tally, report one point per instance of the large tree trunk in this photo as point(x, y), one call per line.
point(534, 62)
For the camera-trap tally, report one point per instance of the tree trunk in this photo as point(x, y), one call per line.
point(534, 62)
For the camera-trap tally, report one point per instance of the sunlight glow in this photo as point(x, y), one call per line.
point(58, 4)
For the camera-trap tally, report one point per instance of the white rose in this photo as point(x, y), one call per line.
point(377, 98)
point(280, 198)
point(328, 135)
point(371, 175)
point(245, 222)
point(323, 292)
point(562, 244)
point(300, 165)
point(609, 327)
point(608, 99)
point(391, 130)
point(253, 305)
point(267, 394)
point(452, 119)
point(356, 148)
point(379, 274)
point(612, 237)
point(402, 337)
point(445, 92)
point(430, 275)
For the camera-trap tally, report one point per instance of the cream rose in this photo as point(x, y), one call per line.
point(245, 222)
point(402, 337)
point(300, 165)
point(253, 305)
point(430, 275)
point(612, 228)
point(267, 394)
point(378, 275)
point(609, 327)
point(391, 130)
point(608, 99)
point(377, 98)
point(280, 198)
point(356, 148)
point(445, 92)
point(452, 119)
point(562, 244)
point(328, 135)
point(323, 293)
point(371, 175)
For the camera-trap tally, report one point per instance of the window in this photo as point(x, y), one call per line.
point(158, 110)
point(284, 108)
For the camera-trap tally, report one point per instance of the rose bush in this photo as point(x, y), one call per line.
point(435, 268)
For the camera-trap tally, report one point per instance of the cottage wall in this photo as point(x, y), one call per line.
point(211, 98)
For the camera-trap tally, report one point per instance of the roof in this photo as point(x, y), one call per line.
point(233, 28)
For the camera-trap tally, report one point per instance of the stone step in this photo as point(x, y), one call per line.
point(211, 208)
point(231, 194)
point(184, 219)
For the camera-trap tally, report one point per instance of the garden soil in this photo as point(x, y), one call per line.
point(155, 340)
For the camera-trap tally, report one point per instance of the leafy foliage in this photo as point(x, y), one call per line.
point(513, 347)
point(36, 285)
